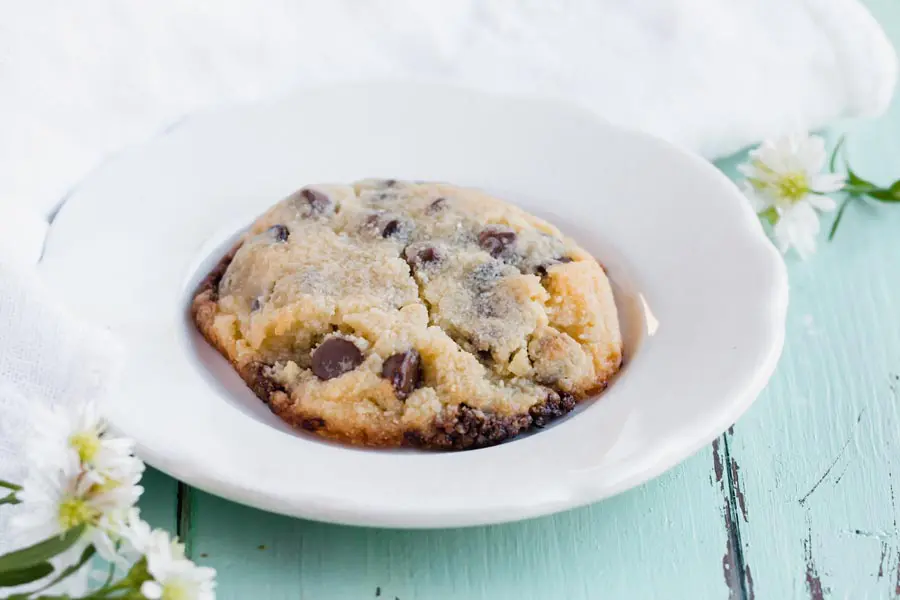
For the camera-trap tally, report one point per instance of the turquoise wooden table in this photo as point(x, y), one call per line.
point(798, 500)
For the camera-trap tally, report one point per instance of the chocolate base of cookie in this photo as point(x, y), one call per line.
point(459, 427)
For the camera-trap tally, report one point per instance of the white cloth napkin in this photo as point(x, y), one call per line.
point(80, 80)
point(47, 356)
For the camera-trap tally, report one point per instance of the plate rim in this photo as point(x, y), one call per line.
point(776, 317)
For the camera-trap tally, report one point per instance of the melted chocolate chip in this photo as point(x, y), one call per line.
point(425, 256)
point(256, 304)
point(495, 239)
point(334, 357)
point(404, 370)
point(436, 206)
point(556, 405)
point(258, 377)
point(313, 424)
point(428, 255)
point(279, 232)
point(317, 201)
point(392, 227)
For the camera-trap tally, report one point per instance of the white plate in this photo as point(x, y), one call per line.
point(702, 292)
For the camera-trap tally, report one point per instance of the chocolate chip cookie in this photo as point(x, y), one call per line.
point(389, 313)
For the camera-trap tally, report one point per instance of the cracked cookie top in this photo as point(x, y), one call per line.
point(391, 312)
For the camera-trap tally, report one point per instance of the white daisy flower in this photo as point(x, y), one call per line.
point(80, 475)
point(106, 456)
point(56, 500)
point(173, 577)
point(785, 183)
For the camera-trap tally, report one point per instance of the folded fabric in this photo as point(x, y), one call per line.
point(84, 79)
point(47, 356)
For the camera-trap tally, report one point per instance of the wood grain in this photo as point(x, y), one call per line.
point(663, 540)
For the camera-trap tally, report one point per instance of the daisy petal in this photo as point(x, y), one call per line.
point(151, 590)
point(827, 182)
point(823, 203)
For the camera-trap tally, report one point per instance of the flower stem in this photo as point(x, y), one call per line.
point(860, 189)
point(839, 216)
point(106, 590)
point(10, 486)
point(834, 153)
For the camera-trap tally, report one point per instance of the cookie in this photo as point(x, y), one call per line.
point(389, 313)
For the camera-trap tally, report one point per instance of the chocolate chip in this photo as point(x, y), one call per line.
point(390, 182)
point(556, 405)
point(436, 206)
point(392, 227)
point(334, 357)
point(313, 424)
point(413, 438)
point(404, 370)
point(258, 377)
point(428, 255)
point(317, 201)
point(256, 304)
point(279, 232)
point(495, 239)
point(423, 256)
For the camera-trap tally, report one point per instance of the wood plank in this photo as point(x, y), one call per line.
point(817, 458)
point(663, 540)
point(818, 453)
point(158, 503)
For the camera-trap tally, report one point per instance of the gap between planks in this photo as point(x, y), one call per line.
point(735, 569)
point(184, 514)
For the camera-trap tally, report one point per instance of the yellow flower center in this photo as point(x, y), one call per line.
point(87, 444)
point(792, 186)
point(176, 590)
point(75, 511)
point(106, 486)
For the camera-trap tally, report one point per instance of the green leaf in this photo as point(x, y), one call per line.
point(85, 556)
point(25, 575)
point(40, 552)
point(891, 194)
point(10, 499)
point(884, 195)
point(10, 486)
point(834, 153)
point(858, 182)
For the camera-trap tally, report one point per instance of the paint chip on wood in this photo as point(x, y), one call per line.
point(813, 581)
